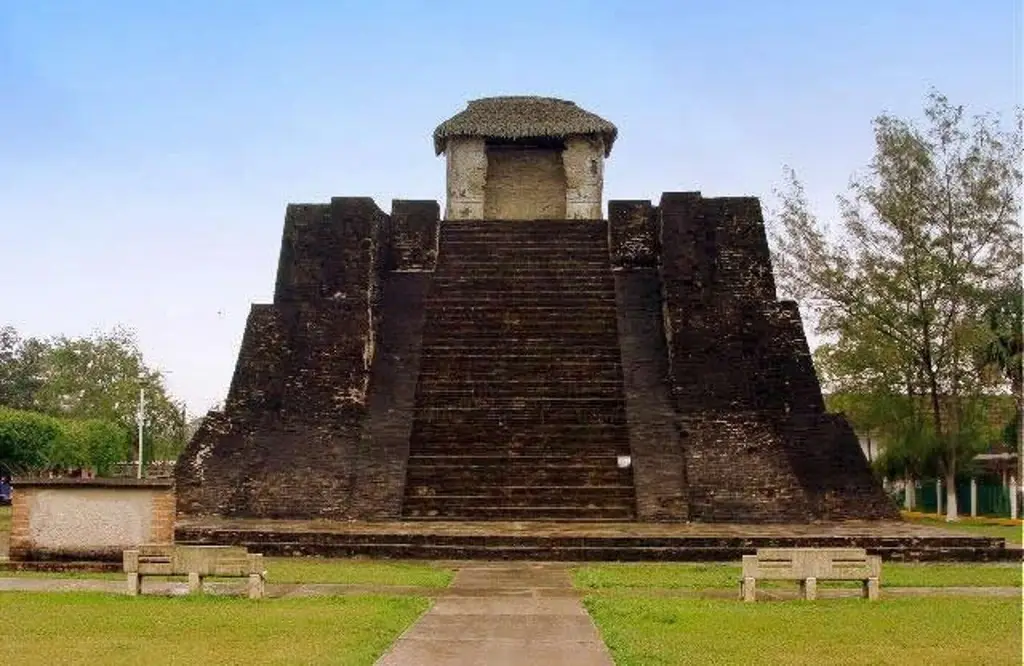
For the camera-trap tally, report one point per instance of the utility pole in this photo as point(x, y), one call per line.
point(141, 419)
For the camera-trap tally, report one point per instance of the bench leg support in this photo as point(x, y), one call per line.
point(134, 585)
point(809, 589)
point(195, 583)
point(748, 589)
point(256, 586)
point(871, 589)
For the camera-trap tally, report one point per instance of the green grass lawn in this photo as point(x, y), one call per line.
point(653, 631)
point(309, 570)
point(5, 519)
point(362, 572)
point(698, 576)
point(1012, 533)
point(105, 629)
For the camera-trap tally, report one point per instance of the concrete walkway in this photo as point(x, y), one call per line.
point(510, 614)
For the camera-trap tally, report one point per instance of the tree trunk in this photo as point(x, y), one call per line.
point(1018, 391)
point(948, 458)
point(951, 512)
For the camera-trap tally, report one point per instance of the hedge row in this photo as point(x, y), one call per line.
point(32, 442)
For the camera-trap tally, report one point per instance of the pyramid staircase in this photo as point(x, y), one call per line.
point(520, 408)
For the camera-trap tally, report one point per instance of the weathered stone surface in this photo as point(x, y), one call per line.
point(640, 367)
point(757, 441)
point(524, 183)
point(287, 443)
point(520, 406)
point(582, 541)
point(413, 236)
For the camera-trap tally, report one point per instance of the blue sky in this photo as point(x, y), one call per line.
point(148, 149)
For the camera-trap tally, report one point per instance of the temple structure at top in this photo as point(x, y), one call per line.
point(525, 357)
point(524, 158)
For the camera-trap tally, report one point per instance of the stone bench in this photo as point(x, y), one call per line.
point(196, 562)
point(808, 566)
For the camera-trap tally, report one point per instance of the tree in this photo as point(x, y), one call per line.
point(20, 369)
point(1003, 353)
point(99, 377)
point(924, 237)
point(26, 440)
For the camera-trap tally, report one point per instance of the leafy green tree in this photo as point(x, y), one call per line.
point(96, 377)
point(26, 440)
point(904, 278)
point(1002, 352)
point(21, 363)
point(99, 377)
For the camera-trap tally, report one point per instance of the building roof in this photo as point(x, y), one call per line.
point(524, 117)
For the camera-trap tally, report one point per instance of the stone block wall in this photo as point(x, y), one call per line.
point(289, 440)
point(757, 441)
point(466, 162)
point(524, 184)
point(413, 235)
point(718, 392)
point(88, 519)
point(583, 160)
point(517, 181)
point(633, 226)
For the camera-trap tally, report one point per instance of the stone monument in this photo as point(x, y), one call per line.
point(525, 358)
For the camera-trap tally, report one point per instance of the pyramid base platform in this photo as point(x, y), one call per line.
point(582, 542)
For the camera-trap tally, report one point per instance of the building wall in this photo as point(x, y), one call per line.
point(467, 172)
point(524, 184)
point(89, 518)
point(584, 175)
point(317, 385)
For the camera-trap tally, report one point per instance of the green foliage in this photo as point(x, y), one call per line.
point(899, 287)
point(33, 442)
point(93, 443)
point(26, 439)
point(92, 378)
point(20, 369)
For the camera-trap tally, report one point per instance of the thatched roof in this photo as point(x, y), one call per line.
point(524, 118)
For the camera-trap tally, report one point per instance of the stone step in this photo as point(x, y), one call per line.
point(541, 311)
point(489, 439)
point(527, 386)
point(497, 390)
point(554, 405)
point(526, 461)
point(523, 243)
point(509, 347)
point(523, 432)
point(465, 265)
point(522, 449)
point(555, 513)
point(597, 230)
point(486, 541)
point(475, 284)
point(599, 333)
point(565, 467)
point(490, 492)
point(504, 373)
point(471, 499)
point(522, 299)
point(532, 358)
point(515, 271)
point(448, 477)
point(490, 416)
